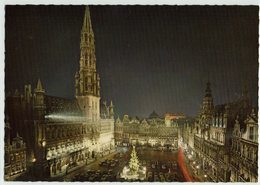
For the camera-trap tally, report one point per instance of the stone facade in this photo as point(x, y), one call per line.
point(217, 131)
point(15, 156)
point(151, 132)
point(244, 150)
point(187, 132)
point(64, 134)
point(87, 80)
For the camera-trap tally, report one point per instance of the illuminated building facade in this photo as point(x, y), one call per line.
point(225, 139)
point(170, 118)
point(15, 155)
point(244, 150)
point(64, 134)
point(151, 132)
point(186, 132)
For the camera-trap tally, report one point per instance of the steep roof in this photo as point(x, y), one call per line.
point(58, 105)
point(240, 108)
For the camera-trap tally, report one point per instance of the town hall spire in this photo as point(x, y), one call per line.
point(87, 81)
point(87, 43)
point(207, 100)
point(87, 26)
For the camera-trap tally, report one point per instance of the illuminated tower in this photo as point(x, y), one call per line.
point(87, 81)
point(38, 104)
point(111, 110)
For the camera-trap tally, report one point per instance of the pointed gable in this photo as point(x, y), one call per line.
point(118, 121)
point(251, 118)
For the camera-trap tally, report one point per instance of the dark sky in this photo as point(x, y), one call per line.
point(149, 57)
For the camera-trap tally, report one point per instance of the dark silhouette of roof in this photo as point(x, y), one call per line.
point(153, 115)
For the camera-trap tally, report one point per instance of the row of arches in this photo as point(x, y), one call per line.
point(62, 132)
point(242, 175)
point(246, 151)
point(60, 166)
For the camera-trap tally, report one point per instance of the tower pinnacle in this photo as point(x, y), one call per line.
point(207, 100)
point(39, 86)
point(87, 43)
point(87, 26)
point(208, 90)
point(87, 81)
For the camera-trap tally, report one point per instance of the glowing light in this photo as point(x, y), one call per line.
point(64, 117)
point(205, 175)
point(33, 160)
point(44, 143)
point(194, 162)
point(198, 167)
point(183, 167)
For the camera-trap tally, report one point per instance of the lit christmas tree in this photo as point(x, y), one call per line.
point(134, 162)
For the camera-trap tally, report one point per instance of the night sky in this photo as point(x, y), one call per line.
point(149, 57)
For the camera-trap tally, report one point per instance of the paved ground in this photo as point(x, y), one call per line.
point(197, 174)
point(161, 166)
point(88, 169)
point(183, 166)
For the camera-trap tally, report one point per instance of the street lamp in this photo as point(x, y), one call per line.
point(43, 143)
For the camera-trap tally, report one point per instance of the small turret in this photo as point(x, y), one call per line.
point(77, 84)
point(39, 104)
point(106, 109)
point(252, 114)
point(111, 110)
point(27, 93)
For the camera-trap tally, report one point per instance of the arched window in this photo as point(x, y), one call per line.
point(250, 153)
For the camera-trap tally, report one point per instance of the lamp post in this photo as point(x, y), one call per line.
point(205, 178)
point(198, 168)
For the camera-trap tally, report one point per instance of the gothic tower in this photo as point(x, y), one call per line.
point(207, 105)
point(87, 81)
